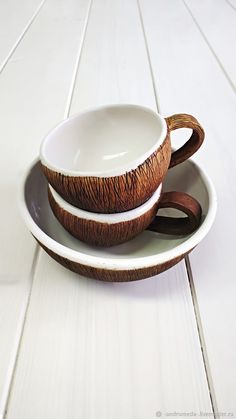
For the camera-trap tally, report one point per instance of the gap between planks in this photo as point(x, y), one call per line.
point(201, 339)
point(231, 5)
point(149, 57)
point(77, 63)
point(19, 337)
point(187, 261)
point(37, 249)
point(25, 30)
point(210, 47)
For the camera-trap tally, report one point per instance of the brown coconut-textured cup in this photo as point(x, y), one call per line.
point(112, 229)
point(146, 255)
point(113, 158)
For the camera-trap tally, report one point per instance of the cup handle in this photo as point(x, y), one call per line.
point(177, 226)
point(183, 120)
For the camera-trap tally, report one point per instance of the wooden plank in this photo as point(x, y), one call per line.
point(217, 23)
point(232, 3)
point(101, 350)
point(114, 66)
point(34, 89)
point(193, 82)
point(15, 19)
point(93, 349)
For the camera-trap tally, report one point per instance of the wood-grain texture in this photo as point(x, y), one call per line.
point(133, 188)
point(117, 193)
point(101, 234)
point(34, 89)
point(184, 120)
point(109, 234)
point(204, 90)
point(116, 350)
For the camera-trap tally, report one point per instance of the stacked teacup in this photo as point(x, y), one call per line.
point(105, 169)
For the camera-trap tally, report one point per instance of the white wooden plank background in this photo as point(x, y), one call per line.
point(15, 18)
point(232, 3)
point(194, 82)
point(97, 350)
point(33, 96)
point(108, 348)
point(217, 23)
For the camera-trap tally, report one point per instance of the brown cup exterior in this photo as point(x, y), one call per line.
point(101, 234)
point(130, 190)
point(106, 234)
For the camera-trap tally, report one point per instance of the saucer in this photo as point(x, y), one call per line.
point(146, 255)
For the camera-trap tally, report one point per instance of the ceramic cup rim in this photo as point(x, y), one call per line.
point(113, 218)
point(115, 171)
point(121, 264)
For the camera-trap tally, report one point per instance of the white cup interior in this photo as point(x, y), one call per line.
point(109, 140)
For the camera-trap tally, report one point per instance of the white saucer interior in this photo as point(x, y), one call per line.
point(187, 177)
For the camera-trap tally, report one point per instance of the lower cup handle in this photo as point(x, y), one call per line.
point(177, 226)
